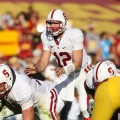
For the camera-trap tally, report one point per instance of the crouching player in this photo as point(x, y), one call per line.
point(25, 93)
point(105, 79)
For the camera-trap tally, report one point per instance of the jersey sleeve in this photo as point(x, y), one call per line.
point(76, 38)
point(45, 42)
point(23, 95)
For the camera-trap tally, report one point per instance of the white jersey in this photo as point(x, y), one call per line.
point(71, 40)
point(27, 91)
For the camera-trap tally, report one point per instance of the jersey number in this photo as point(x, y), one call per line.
point(64, 60)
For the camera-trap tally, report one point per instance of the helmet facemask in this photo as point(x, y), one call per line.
point(4, 89)
point(55, 31)
point(59, 18)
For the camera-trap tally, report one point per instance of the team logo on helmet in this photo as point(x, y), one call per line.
point(6, 80)
point(104, 70)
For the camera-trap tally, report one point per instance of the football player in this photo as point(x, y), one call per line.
point(104, 78)
point(25, 93)
point(66, 44)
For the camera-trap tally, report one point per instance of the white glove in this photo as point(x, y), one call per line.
point(91, 105)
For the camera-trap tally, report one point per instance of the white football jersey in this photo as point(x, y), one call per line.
point(27, 91)
point(71, 40)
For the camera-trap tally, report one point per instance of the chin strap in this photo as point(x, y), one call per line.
point(14, 76)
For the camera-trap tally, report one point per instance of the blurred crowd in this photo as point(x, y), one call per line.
point(99, 46)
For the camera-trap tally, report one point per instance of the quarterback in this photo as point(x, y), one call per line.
point(66, 44)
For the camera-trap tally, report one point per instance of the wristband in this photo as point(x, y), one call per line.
point(69, 68)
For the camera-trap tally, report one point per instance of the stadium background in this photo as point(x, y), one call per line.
point(105, 13)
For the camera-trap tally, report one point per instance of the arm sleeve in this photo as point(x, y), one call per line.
point(77, 38)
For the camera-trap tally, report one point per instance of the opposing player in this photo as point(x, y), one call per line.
point(105, 79)
point(19, 89)
point(66, 44)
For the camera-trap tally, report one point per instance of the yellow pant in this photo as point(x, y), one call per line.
point(107, 99)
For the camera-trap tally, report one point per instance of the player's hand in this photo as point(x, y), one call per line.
point(58, 71)
point(91, 105)
point(31, 70)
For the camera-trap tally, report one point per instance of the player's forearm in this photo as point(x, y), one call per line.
point(41, 66)
point(72, 67)
point(58, 116)
point(77, 64)
point(28, 114)
point(77, 59)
